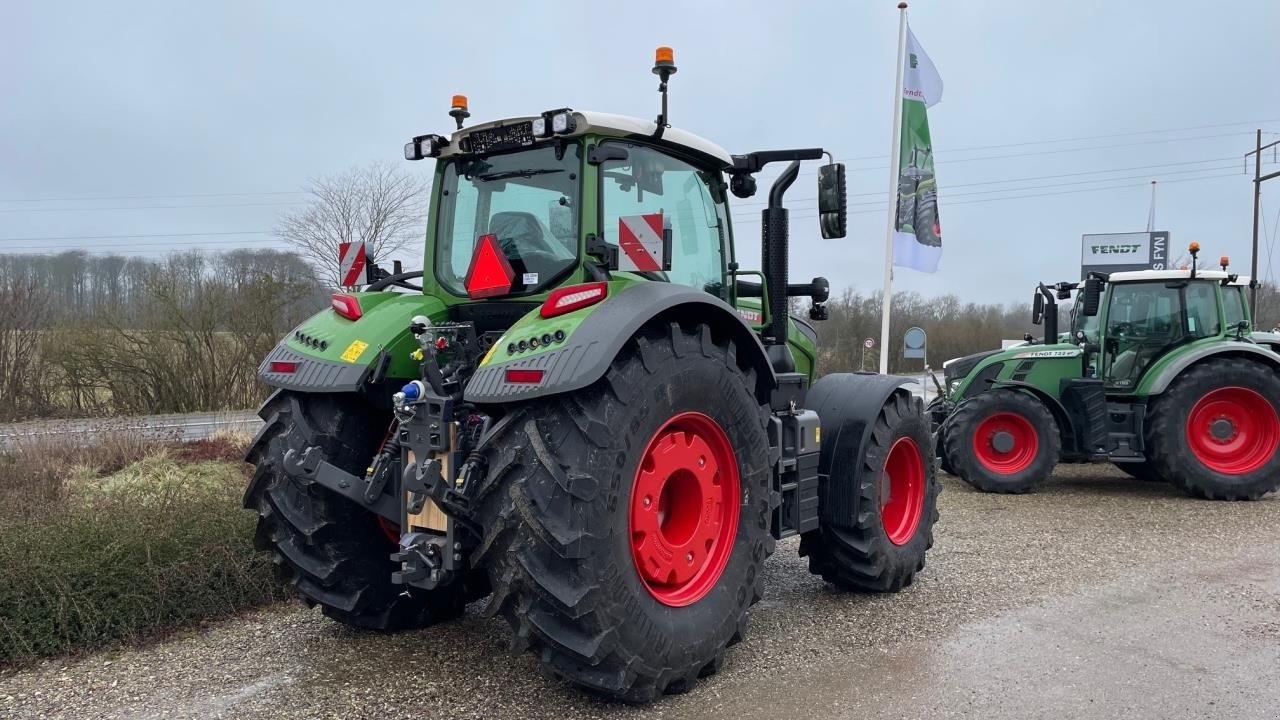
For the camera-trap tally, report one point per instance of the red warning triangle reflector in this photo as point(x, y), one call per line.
point(490, 273)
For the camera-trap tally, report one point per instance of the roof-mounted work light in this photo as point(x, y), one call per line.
point(425, 146)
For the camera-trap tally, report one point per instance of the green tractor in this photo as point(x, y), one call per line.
point(1159, 374)
point(585, 412)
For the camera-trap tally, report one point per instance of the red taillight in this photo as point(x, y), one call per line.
point(346, 306)
point(490, 273)
point(568, 299)
point(524, 376)
point(283, 366)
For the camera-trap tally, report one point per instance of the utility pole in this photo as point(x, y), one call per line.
point(1151, 214)
point(1258, 179)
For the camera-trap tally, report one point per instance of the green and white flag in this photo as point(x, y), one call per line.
point(917, 238)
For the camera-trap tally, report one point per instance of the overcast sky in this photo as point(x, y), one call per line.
point(139, 101)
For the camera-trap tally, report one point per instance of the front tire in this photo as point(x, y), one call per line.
point(625, 524)
point(334, 552)
point(1215, 433)
point(1002, 441)
point(897, 500)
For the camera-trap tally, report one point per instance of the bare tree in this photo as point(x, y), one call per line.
point(377, 204)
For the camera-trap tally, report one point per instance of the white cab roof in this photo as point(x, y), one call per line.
point(1141, 275)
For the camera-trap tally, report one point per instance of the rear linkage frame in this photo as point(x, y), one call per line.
point(433, 432)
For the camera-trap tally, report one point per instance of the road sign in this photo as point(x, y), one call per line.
point(869, 343)
point(913, 343)
point(352, 260)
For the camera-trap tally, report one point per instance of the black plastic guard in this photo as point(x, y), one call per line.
point(848, 405)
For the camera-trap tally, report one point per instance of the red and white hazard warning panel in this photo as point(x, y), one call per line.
point(640, 242)
point(352, 259)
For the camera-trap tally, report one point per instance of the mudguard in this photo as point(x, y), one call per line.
point(595, 335)
point(331, 354)
point(1158, 381)
point(847, 405)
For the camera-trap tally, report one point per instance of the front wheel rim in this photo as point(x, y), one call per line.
point(1233, 430)
point(902, 491)
point(1006, 427)
point(684, 509)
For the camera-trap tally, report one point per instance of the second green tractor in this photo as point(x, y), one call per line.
point(1160, 373)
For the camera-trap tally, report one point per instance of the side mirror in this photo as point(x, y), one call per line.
point(832, 199)
point(1037, 309)
point(608, 151)
point(1091, 298)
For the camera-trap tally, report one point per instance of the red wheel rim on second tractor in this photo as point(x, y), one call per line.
point(684, 509)
point(1006, 443)
point(902, 491)
point(1233, 430)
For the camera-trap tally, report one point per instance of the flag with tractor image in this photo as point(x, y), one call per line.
point(917, 240)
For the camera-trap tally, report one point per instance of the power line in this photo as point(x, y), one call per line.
point(153, 197)
point(149, 207)
point(149, 235)
point(1088, 137)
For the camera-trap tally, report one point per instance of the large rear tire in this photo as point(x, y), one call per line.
point(897, 495)
point(625, 524)
point(334, 552)
point(1002, 441)
point(1215, 433)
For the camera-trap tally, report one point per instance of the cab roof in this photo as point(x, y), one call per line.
point(620, 126)
point(1147, 275)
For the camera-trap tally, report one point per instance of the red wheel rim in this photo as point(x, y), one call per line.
point(390, 530)
point(1006, 443)
point(902, 491)
point(1233, 430)
point(684, 509)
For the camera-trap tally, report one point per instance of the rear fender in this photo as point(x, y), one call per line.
point(330, 353)
point(848, 405)
point(595, 335)
point(1157, 382)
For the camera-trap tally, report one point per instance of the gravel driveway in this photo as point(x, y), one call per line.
point(1097, 597)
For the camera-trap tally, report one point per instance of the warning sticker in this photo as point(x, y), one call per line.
point(354, 350)
point(640, 240)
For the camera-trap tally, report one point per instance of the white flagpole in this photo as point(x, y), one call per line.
point(895, 161)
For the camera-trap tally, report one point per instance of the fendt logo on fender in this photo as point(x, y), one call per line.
point(1115, 249)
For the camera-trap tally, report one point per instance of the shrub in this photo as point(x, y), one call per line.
point(103, 554)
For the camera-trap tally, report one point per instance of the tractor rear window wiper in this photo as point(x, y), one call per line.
point(509, 174)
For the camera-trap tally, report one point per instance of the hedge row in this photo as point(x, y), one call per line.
point(159, 544)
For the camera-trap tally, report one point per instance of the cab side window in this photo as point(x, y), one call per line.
point(650, 182)
point(1233, 304)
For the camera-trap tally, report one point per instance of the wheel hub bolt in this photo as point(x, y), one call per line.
point(702, 462)
point(689, 558)
point(647, 501)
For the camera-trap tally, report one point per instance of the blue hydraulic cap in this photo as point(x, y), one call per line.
point(413, 390)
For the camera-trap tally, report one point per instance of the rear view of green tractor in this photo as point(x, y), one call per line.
point(1159, 374)
point(586, 411)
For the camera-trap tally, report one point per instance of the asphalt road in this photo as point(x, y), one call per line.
point(193, 426)
point(1097, 597)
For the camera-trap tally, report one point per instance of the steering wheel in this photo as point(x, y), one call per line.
point(1123, 329)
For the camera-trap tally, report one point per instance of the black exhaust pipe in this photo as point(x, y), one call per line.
point(774, 228)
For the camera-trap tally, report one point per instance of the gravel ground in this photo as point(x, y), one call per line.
point(1098, 596)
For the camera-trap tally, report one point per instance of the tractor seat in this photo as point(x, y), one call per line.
point(524, 241)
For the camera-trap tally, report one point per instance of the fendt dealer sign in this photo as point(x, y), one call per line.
point(1113, 252)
